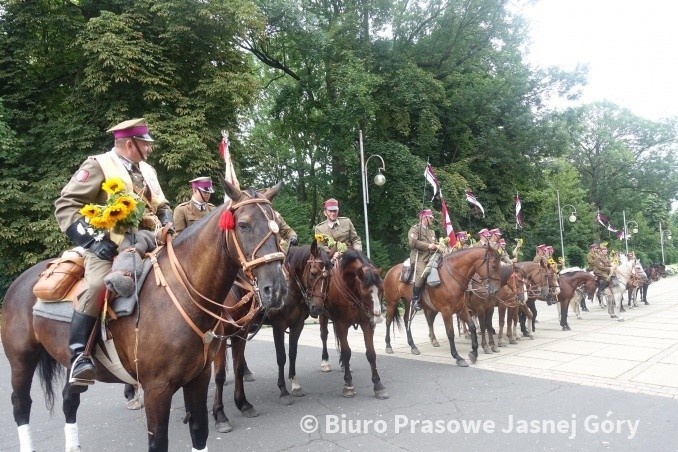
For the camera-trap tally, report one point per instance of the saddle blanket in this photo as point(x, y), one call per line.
point(63, 311)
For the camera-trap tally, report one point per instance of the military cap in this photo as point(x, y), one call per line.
point(132, 128)
point(462, 235)
point(502, 242)
point(484, 233)
point(542, 246)
point(202, 184)
point(331, 204)
point(495, 231)
point(425, 213)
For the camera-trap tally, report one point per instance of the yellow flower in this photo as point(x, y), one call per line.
point(113, 186)
point(114, 213)
point(127, 203)
point(90, 211)
point(320, 238)
point(100, 222)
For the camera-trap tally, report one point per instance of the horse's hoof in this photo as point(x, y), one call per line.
point(297, 392)
point(435, 343)
point(487, 350)
point(248, 377)
point(381, 394)
point(647, 302)
point(415, 351)
point(286, 400)
point(389, 350)
point(502, 343)
point(566, 328)
point(223, 427)
point(473, 357)
point(250, 412)
point(325, 366)
point(495, 349)
point(513, 341)
point(620, 319)
point(614, 316)
point(134, 404)
point(461, 362)
point(348, 392)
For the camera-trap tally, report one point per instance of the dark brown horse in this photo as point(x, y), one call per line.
point(653, 272)
point(354, 298)
point(542, 285)
point(166, 343)
point(308, 268)
point(455, 272)
point(569, 283)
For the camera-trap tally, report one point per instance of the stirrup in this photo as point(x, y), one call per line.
point(76, 380)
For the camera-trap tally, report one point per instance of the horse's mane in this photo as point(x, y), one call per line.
point(371, 277)
point(297, 256)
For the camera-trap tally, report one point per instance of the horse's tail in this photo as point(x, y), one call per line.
point(50, 372)
point(397, 320)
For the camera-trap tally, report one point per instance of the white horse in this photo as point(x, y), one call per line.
point(624, 272)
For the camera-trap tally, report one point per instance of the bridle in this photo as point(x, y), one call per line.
point(310, 289)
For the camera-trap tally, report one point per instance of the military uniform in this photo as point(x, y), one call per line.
point(539, 256)
point(286, 232)
point(342, 231)
point(419, 238)
point(187, 213)
point(602, 269)
point(85, 187)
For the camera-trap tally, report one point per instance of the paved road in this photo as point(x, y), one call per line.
point(545, 394)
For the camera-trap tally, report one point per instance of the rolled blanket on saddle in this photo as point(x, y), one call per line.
point(127, 266)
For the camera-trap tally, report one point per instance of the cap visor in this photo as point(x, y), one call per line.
point(144, 137)
point(207, 190)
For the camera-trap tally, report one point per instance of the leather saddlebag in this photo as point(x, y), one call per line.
point(60, 277)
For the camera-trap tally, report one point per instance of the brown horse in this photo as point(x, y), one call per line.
point(353, 299)
point(308, 268)
point(455, 272)
point(542, 285)
point(508, 315)
point(166, 343)
point(569, 283)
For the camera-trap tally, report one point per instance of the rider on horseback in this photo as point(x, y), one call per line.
point(127, 162)
point(602, 269)
point(423, 245)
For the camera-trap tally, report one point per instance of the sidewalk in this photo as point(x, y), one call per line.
point(637, 355)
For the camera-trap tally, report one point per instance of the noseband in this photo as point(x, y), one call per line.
point(309, 289)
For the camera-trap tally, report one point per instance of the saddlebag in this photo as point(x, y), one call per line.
point(60, 277)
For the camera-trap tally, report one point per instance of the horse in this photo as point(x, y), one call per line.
point(543, 285)
point(569, 283)
point(308, 268)
point(620, 278)
point(353, 298)
point(165, 344)
point(638, 279)
point(509, 316)
point(653, 272)
point(513, 290)
point(456, 271)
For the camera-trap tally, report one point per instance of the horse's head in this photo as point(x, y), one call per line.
point(310, 267)
point(358, 280)
point(518, 283)
point(248, 222)
point(489, 268)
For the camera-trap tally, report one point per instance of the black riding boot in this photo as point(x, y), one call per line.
point(81, 327)
point(416, 295)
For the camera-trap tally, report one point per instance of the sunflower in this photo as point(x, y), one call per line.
point(101, 222)
point(127, 203)
point(90, 211)
point(114, 213)
point(113, 186)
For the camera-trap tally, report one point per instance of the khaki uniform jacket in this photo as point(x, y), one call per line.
point(342, 231)
point(286, 232)
point(85, 188)
point(419, 238)
point(479, 244)
point(602, 267)
point(591, 257)
point(187, 213)
point(539, 256)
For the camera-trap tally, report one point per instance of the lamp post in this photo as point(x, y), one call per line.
point(661, 239)
point(626, 231)
point(379, 180)
point(572, 218)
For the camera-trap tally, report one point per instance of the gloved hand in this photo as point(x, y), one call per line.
point(104, 249)
point(294, 241)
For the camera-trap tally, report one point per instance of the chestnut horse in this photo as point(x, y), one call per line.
point(542, 285)
point(354, 298)
point(308, 268)
point(166, 343)
point(569, 283)
point(455, 272)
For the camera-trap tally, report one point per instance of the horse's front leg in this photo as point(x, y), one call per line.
point(449, 330)
point(279, 340)
point(70, 405)
point(341, 330)
point(408, 327)
point(368, 334)
point(325, 358)
point(195, 402)
point(391, 307)
point(465, 317)
point(564, 304)
point(489, 314)
point(430, 319)
point(483, 329)
point(502, 322)
point(222, 423)
point(157, 406)
point(295, 332)
point(238, 351)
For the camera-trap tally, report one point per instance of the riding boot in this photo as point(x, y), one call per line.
point(82, 367)
point(416, 295)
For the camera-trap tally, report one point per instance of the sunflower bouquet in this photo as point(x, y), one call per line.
point(121, 212)
point(324, 239)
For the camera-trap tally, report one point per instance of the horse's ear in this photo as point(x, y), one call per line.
point(231, 190)
point(314, 248)
point(271, 192)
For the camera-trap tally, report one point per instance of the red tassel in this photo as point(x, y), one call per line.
point(227, 221)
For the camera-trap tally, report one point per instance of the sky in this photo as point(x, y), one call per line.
point(631, 47)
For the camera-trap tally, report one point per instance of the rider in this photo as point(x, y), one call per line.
point(423, 245)
point(495, 236)
point(197, 207)
point(484, 236)
point(504, 254)
point(540, 254)
point(602, 269)
point(286, 232)
point(462, 241)
point(340, 229)
point(592, 255)
point(126, 161)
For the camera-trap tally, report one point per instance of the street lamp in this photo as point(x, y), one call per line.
point(661, 239)
point(572, 218)
point(379, 180)
point(626, 231)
